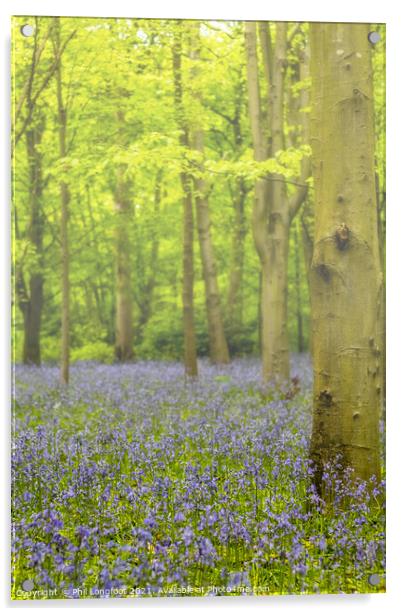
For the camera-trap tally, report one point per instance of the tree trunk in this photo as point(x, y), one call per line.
point(190, 349)
point(97, 284)
point(273, 211)
point(299, 313)
point(217, 341)
point(64, 200)
point(234, 308)
point(346, 278)
point(124, 301)
point(218, 347)
point(148, 287)
point(275, 337)
point(32, 304)
point(32, 321)
point(275, 270)
point(380, 200)
point(307, 224)
point(270, 212)
point(307, 233)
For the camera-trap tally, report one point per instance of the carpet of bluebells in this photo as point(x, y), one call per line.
point(134, 481)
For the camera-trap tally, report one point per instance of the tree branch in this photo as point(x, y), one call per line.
point(27, 88)
point(42, 87)
point(298, 197)
point(220, 113)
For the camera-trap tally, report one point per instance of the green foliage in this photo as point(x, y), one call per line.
point(50, 349)
point(125, 70)
point(162, 339)
point(98, 351)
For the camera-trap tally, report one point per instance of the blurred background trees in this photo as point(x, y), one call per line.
point(158, 147)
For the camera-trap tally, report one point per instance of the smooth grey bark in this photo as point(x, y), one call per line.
point(346, 277)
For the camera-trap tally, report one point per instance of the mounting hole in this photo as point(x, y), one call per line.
point(28, 585)
point(374, 37)
point(27, 30)
point(374, 579)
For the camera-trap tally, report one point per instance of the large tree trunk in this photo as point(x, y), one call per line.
point(307, 228)
point(190, 348)
point(380, 200)
point(346, 279)
point(124, 301)
point(64, 201)
point(32, 302)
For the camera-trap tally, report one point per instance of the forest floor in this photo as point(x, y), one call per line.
point(134, 481)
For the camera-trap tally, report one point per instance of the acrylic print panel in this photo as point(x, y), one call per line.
point(198, 308)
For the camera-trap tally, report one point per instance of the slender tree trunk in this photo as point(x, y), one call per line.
point(295, 137)
point(260, 208)
point(259, 312)
point(124, 301)
point(64, 200)
point(299, 313)
point(32, 306)
point(275, 272)
point(149, 287)
point(346, 278)
point(217, 341)
point(273, 210)
point(218, 347)
point(96, 283)
point(275, 337)
point(307, 233)
point(234, 308)
point(190, 349)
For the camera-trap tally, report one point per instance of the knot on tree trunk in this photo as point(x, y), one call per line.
point(325, 398)
point(342, 236)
